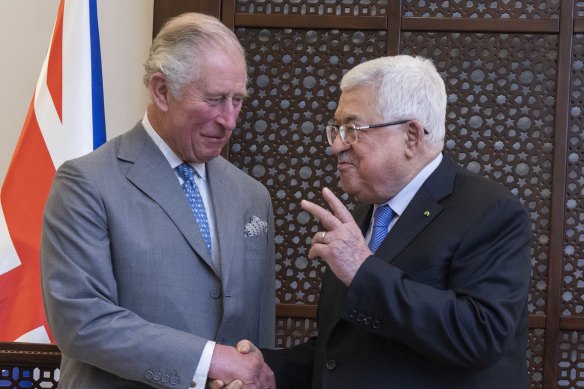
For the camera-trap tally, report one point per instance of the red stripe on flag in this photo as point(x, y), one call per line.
point(23, 196)
point(55, 64)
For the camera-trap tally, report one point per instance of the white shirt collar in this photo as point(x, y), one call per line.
point(170, 155)
point(400, 201)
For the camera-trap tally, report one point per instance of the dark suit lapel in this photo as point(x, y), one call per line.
point(152, 174)
point(227, 210)
point(423, 208)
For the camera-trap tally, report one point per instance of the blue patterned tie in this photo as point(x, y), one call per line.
point(381, 221)
point(187, 173)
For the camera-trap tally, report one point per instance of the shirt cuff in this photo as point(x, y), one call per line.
point(200, 377)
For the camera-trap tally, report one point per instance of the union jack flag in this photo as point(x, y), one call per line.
point(65, 120)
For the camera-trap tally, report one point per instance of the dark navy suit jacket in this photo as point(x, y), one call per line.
point(441, 304)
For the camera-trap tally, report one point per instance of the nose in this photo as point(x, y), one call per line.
point(339, 146)
point(227, 115)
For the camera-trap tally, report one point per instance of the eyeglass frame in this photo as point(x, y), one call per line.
point(329, 129)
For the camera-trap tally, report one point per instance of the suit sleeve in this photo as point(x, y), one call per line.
point(470, 322)
point(80, 294)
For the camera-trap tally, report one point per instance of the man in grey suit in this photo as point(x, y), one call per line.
point(158, 254)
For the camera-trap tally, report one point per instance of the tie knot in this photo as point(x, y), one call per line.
point(186, 172)
point(383, 216)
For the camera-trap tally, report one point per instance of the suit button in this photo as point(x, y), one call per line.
point(376, 324)
point(215, 293)
point(360, 318)
point(352, 314)
point(331, 364)
point(174, 380)
point(367, 320)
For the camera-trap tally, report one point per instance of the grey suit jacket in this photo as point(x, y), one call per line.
point(131, 294)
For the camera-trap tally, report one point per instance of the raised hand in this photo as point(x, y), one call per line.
point(341, 245)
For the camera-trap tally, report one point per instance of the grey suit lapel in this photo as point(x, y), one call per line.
point(227, 210)
point(151, 173)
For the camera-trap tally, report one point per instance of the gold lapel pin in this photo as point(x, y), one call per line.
point(426, 213)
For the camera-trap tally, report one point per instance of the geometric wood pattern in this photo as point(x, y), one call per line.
point(535, 357)
point(571, 373)
point(311, 7)
point(28, 377)
point(516, 9)
point(26, 365)
point(573, 260)
point(293, 331)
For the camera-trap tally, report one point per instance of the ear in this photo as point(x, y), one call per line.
point(159, 92)
point(415, 134)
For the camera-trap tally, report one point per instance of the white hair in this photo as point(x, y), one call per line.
point(408, 88)
point(181, 42)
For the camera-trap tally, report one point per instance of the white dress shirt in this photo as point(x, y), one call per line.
point(400, 201)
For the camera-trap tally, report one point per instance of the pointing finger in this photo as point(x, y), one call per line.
point(339, 209)
point(328, 220)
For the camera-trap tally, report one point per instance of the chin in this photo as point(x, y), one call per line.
point(350, 190)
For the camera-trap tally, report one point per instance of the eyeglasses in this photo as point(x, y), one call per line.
point(349, 132)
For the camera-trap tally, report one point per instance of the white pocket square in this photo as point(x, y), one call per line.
point(256, 226)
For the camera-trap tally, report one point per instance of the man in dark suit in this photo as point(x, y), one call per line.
point(426, 284)
point(152, 245)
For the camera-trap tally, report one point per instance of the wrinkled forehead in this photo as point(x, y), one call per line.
point(357, 105)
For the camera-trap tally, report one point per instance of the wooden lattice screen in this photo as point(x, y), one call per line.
point(514, 72)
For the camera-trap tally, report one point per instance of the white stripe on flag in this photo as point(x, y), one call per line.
point(8, 257)
point(38, 335)
point(74, 137)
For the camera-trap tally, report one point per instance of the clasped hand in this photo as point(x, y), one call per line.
point(341, 246)
point(253, 373)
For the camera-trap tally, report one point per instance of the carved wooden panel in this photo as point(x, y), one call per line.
point(535, 358)
point(13, 376)
point(280, 139)
point(571, 372)
point(291, 331)
point(505, 9)
point(500, 120)
point(579, 9)
point(573, 259)
point(314, 7)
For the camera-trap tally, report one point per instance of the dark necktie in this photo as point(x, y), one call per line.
point(187, 173)
point(381, 220)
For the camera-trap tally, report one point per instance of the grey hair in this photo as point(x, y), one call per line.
point(181, 41)
point(408, 88)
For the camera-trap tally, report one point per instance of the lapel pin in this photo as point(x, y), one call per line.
point(426, 213)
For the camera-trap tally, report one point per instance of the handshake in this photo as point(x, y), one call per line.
point(242, 367)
